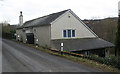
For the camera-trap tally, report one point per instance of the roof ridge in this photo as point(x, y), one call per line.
point(47, 15)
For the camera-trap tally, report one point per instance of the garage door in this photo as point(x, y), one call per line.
point(30, 38)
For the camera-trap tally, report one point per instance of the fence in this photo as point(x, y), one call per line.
point(112, 60)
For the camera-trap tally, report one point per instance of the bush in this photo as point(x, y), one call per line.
point(113, 60)
point(83, 60)
point(8, 35)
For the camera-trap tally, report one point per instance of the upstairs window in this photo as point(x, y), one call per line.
point(69, 33)
point(73, 33)
point(64, 33)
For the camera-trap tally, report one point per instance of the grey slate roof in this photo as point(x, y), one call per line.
point(82, 44)
point(45, 20)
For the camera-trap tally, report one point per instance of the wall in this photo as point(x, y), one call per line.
point(64, 22)
point(22, 35)
point(28, 30)
point(42, 33)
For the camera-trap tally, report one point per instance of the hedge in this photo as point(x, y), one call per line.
point(113, 60)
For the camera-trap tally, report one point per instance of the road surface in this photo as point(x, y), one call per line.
point(20, 58)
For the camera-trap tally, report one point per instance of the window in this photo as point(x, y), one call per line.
point(73, 33)
point(69, 33)
point(64, 33)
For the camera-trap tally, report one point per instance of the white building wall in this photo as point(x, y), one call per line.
point(42, 33)
point(64, 22)
point(29, 30)
point(22, 35)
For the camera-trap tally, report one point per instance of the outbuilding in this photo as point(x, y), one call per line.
point(62, 27)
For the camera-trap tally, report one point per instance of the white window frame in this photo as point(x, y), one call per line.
point(67, 33)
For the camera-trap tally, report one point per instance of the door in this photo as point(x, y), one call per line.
point(30, 38)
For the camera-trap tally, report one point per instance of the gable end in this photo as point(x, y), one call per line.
point(82, 22)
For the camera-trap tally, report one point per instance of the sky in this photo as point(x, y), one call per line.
point(85, 9)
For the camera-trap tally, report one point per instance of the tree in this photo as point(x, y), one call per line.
point(117, 41)
point(8, 30)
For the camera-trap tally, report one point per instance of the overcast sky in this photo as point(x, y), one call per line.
point(85, 9)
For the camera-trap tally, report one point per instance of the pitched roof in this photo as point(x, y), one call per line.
point(45, 20)
point(82, 44)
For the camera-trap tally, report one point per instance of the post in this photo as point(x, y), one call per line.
point(26, 40)
point(61, 49)
point(18, 38)
point(36, 42)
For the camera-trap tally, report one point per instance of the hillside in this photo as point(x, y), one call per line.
point(104, 28)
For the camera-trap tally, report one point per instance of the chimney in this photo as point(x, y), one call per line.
point(21, 19)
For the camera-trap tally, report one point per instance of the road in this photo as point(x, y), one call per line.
point(20, 58)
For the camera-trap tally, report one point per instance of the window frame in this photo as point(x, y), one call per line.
point(67, 35)
point(64, 33)
point(73, 34)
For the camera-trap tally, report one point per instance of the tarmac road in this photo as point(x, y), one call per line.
point(17, 57)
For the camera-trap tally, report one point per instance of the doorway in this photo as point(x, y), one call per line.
point(30, 38)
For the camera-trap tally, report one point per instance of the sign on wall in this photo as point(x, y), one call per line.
point(28, 31)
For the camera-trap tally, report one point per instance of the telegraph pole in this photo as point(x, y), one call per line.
point(117, 40)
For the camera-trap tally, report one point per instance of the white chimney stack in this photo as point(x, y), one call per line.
point(21, 19)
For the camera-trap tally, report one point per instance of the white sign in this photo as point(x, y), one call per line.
point(28, 31)
point(62, 44)
point(37, 40)
point(18, 36)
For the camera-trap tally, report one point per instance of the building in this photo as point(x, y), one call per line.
point(62, 27)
